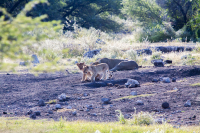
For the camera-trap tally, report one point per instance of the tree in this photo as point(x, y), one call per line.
point(17, 33)
point(180, 11)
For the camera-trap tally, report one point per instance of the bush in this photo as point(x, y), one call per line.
point(142, 118)
point(16, 34)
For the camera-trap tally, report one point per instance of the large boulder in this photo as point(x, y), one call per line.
point(92, 53)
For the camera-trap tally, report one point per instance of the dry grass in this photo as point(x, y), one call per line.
point(24, 125)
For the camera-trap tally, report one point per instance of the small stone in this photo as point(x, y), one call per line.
point(188, 104)
point(155, 80)
point(29, 112)
point(74, 113)
point(166, 80)
point(4, 112)
point(93, 114)
point(159, 121)
point(175, 88)
point(139, 102)
point(37, 113)
point(69, 107)
point(41, 103)
point(105, 100)
point(109, 84)
point(165, 105)
point(89, 106)
point(62, 97)
point(174, 80)
point(50, 112)
point(58, 106)
point(85, 94)
point(8, 74)
point(33, 116)
point(133, 93)
point(132, 86)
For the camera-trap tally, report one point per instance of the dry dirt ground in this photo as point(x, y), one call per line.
point(20, 93)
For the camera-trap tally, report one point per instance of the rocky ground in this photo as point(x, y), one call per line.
point(20, 95)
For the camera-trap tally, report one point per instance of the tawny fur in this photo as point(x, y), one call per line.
point(118, 64)
point(87, 76)
point(97, 69)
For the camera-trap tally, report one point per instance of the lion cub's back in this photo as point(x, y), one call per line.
point(100, 67)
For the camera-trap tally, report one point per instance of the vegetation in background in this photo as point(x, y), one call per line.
point(17, 33)
point(24, 125)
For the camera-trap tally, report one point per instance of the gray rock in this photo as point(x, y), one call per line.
point(85, 94)
point(62, 97)
point(69, 107)
point(89, 106)
point(133, 93)
point(24, 63)
point(58, 106)
point(99, 41)
point(50, 112)
point(33, 116)
point(166, 80)
point(132, 86)
point(105, 100)
point(139, 102)
point(155, 80)
point(93, 114)
point(35, 59)
point(37, 113)
point(92, 53)
point(158, 62)
point(41, 102)
point(74, 113)
point(188, 103)
point(147, 51)
point(159, 120)
point(29, 112)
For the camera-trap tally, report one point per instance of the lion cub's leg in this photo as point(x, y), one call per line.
point(93, 77)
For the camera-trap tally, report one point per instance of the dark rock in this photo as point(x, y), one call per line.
point(147, 51)
point(188, 104)
point(132, 86)
point(168, 61)
point(29, 112)
point(139, 102)
point(37, 113)
point(41, 102)
point(50, 112)
point(105, 100)
point(4, 112)
point(7, 74)
point(165, 105)
point(58, 106)
point(85, 94)
point(109, 84)
point(93, 114)
point(133, 93)
point(74, 113)
point(92, 53)
point(173, 79)
point(89, 107)
point(33, 116)
point(155, 80)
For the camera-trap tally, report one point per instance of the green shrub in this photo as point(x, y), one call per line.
point(142, 118)
point(156, 55)
point(121, 117)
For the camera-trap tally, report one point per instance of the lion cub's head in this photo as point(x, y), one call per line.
point(86, 69)
point(80, 65)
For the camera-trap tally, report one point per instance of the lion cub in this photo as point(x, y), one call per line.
point(88, 75)
point(97, 69)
